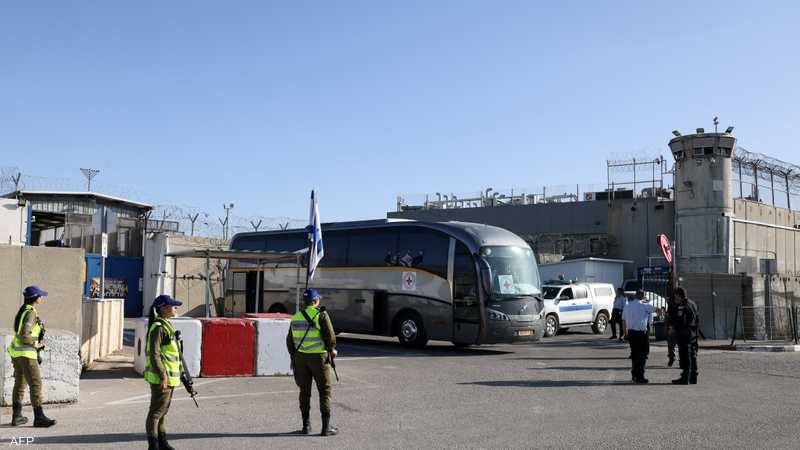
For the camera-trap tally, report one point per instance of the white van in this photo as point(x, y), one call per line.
point(567, 305)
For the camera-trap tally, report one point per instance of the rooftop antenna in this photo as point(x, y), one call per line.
point(716, 122)
point(89, 174)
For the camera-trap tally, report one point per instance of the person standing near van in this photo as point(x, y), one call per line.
point(616, 314)
point(636, 317)
point(24, 351)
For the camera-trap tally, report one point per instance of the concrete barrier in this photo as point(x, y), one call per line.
point(60, 369)
point(191, 332)
point(272, 358)
point(103, 323)
point(228, 348)
point(265, 316)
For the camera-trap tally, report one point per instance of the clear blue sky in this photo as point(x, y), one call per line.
point(201, 103)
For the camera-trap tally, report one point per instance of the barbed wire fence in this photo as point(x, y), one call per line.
point(192, 220)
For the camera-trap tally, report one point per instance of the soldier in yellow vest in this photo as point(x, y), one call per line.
point(162, 368)
point(24, 351)
point(312, 345)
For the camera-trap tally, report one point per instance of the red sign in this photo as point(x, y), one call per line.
point(663, 242)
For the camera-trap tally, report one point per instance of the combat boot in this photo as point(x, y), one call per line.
point(306, 424)
point(327, 428)
point(17, 418)
point(152, 443)
point(162, 442)
point(682, 380)
point(693, 379)
point(40, 420)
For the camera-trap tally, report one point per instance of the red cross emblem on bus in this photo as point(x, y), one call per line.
point(507, 284)
point(409, 280)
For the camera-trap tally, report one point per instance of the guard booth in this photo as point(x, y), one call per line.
point(243, 288)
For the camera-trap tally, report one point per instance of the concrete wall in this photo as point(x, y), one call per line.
point(717, 297)
point(60, 369)
point(60, 271)
point(634, 225)
point(103, 323)
point(755, 242)
point(13, 222)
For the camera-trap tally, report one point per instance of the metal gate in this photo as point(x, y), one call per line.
point(657, 291)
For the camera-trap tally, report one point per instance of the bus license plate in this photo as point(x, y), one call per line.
point(524, 332)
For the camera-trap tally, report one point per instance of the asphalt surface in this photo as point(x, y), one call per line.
point(571, 391)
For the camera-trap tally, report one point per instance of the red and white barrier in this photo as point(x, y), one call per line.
point(191, 334)
point(228, 348)
point(272, 358)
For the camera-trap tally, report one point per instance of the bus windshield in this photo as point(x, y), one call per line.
point(513, 270)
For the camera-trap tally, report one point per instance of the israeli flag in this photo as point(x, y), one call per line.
point(315, 251)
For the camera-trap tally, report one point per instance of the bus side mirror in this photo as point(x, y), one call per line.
point(486, 274)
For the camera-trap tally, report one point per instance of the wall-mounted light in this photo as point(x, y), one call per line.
point(729, 130)
point(676, 133)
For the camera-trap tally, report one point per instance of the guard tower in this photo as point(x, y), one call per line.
point(703, 201)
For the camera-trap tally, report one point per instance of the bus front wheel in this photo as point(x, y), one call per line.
point(411, 331)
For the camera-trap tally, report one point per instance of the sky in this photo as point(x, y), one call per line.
point(256, 103)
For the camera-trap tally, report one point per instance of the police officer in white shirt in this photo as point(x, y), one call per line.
point(636, 317)
point(616, 314)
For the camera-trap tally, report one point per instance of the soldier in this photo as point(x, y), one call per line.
point(670, 333)
point(683, 319)
point(312, 345)
point(162, 369)
point(24, 351)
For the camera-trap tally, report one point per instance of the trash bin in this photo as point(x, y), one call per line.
point(659, 330)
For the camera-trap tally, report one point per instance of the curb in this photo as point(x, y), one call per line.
point(767, 348)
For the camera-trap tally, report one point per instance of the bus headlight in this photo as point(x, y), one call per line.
point(496, 315)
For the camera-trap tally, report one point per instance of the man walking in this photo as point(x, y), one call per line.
point(683, 318)
point(616, 314)
point(636, 317)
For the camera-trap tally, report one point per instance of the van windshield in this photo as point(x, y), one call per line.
point(550, 293)
point(513, 270)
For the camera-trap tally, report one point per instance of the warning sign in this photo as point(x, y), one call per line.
point(666, 248)
point(409, 281)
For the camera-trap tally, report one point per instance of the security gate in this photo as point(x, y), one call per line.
point(656, 287)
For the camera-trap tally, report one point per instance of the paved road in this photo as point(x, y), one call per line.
point(571, 391)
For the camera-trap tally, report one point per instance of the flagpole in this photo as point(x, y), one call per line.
point(309, 237)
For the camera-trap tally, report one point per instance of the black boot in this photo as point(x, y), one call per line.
point(327, 428)
point(693, 378)
point(40, 420)
point(306, 424)
point(162, 442)
point(17, 418)
point(682, 380)
point(152, 443)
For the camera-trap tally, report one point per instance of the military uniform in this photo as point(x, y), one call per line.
point(163, 362)
point(683, 318)
point(24, 352)
point(310, 346)
point(670, 334)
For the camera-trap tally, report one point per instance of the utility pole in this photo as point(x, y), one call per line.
point(256, 226)
point(193, 219)
point(89, 174)
point(226, 224)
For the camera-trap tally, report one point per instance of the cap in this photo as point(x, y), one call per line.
point(311, 294)
point(165, 300)
point(33, 292)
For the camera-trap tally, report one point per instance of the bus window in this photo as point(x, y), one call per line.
point(423, 249)
point(335, 247)
point(371, 248)
point(249, 243)
point(464, 277)
point(287, 243)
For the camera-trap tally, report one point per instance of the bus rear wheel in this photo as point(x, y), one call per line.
point(411, 331)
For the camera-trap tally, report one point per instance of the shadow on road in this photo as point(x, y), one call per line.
point(112, 373)
point(592, 368)
point(577, 358)
point(359, 347)
point(110, 438)
point(557, 383)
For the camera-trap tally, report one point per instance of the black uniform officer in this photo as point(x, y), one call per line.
point(670, 334)
point(684, 320)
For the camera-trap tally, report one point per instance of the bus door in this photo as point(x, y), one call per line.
point(466, 306)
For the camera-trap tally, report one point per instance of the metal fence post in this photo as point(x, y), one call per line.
point(735, 322)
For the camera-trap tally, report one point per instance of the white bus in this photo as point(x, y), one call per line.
point(461, 282)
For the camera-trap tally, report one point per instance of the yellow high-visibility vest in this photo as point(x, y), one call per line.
point(312, 343)
point(19, 350)
point(170, 356)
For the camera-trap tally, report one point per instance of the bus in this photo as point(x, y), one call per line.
point(462, 282)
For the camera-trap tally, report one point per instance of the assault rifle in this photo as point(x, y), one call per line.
point(41, 342)
point(186, 377)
